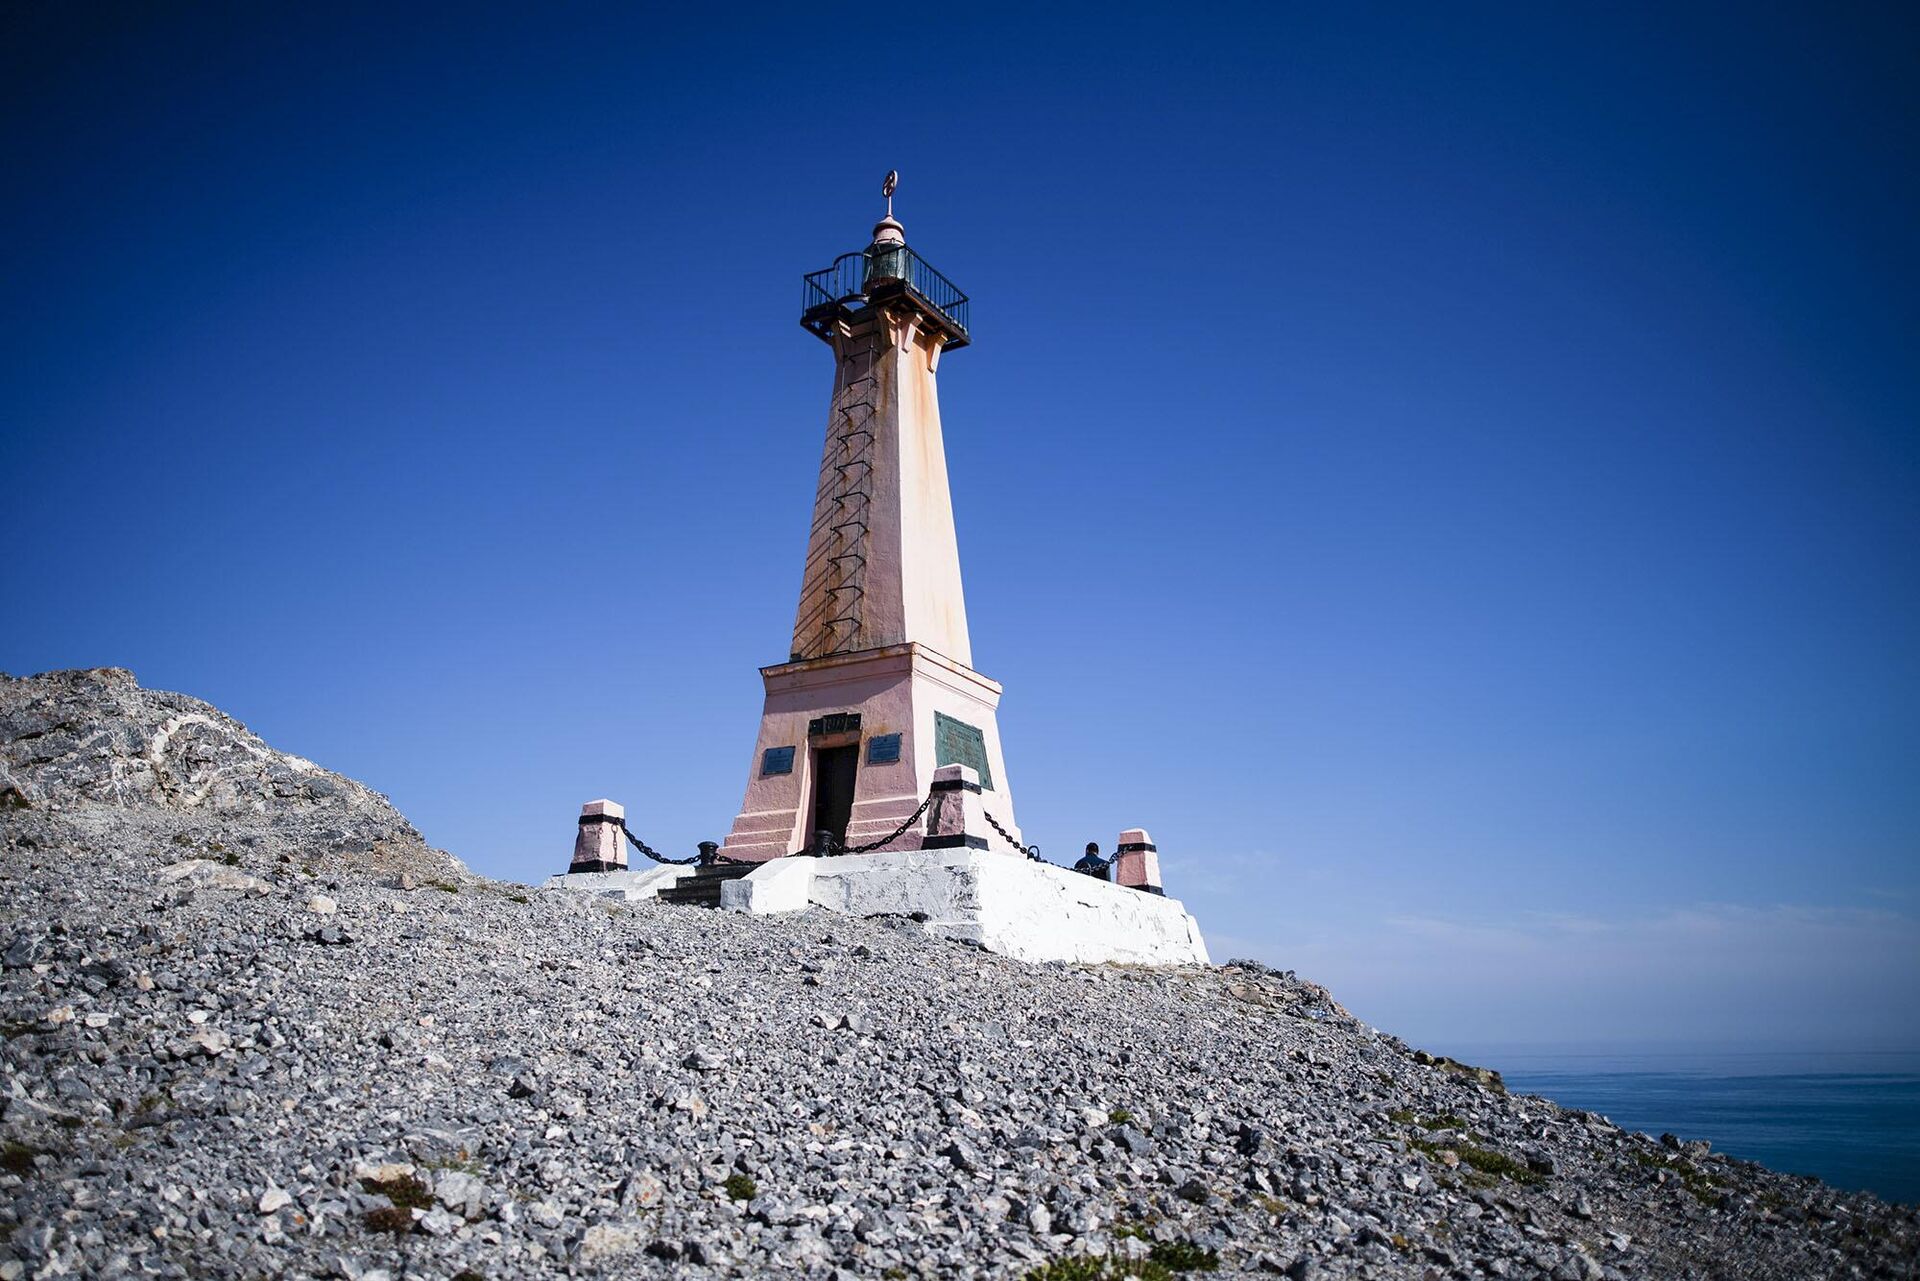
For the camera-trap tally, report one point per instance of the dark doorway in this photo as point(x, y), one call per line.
point(833, 771)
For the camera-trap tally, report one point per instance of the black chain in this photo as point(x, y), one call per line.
point(892, 836)
point(649, 851)
point(655, 854)
point(1100, 869)
point(835, 847)
point(1031, 851)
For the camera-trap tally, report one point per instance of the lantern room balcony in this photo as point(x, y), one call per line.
point(875, 274)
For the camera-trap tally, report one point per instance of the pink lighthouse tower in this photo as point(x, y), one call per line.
point(879, 691)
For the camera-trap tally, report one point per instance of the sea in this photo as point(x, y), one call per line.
point(1851, 1118)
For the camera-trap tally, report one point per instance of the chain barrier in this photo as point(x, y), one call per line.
point(1031, 851)
point(892, 836)
point(1097, 868)
point(705, 858)
point(833, 846)
point(710, 855)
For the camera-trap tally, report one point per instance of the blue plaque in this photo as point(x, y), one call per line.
point(883, 749)
point(957, 743)
point(776, 760)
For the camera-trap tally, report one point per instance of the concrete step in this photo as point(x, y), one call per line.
point(702, 889)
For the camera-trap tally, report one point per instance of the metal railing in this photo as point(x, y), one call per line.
point(853, 277)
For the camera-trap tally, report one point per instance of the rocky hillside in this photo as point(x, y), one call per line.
point(255, 1027)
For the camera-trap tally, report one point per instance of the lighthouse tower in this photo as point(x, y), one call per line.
point(878, 691)
point(879, 749)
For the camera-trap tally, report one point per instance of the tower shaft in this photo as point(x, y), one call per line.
point(883, 565)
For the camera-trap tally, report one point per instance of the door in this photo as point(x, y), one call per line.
point(833, 771)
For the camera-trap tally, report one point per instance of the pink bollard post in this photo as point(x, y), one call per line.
point(601, 846)
point(954, 816)
point(1137, 861)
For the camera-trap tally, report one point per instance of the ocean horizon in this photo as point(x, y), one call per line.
point(1848, 1117)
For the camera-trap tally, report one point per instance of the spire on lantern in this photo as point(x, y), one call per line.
point(887, 231)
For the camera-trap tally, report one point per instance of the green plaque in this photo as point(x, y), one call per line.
point(958, 743)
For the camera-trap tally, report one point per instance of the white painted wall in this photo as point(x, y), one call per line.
point(631, 886)
point(1007, 904)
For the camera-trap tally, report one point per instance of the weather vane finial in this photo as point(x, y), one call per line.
point(887, 184)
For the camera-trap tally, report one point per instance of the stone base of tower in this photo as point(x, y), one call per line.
point(1005, 903)
point(890, 716)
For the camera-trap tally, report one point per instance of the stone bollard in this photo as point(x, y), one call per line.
point(1137, 861)
point(601, 846)
point(955, 818)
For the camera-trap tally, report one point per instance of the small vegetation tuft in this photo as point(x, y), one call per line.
point(1183, 1256)
point(1272, 1205)
point(1082, 1268)
point(390, 1218)
point(405, 1191)
point(1703, 1186)
point(1119, 1116)
point(1489, 1165)
point(741, 1187)
point(1497, 1164)
point(17, 1158)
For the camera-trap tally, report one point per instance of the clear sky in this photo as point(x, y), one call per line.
point(1449, 472)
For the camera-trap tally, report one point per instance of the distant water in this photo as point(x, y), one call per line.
point(1853, 1119)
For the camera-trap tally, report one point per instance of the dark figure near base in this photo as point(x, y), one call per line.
point(1092, 864)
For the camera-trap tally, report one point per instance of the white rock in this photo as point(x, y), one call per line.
point(608, 1240)
point(208, 874)
point(438, 1223)
point(321, 905)
point(212, 1040)
point(274, 1199)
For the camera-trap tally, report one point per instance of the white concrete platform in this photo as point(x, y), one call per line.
point(629, 886)
point(1007, 904)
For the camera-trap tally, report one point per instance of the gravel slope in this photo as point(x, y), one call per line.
point(254, 1026)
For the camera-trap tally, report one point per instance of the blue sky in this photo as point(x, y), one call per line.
point(1449, 473)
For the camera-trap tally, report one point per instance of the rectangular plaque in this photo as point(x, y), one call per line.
point(958, 743)
point(776, 760)
point(883, 749)
point(833, 723)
